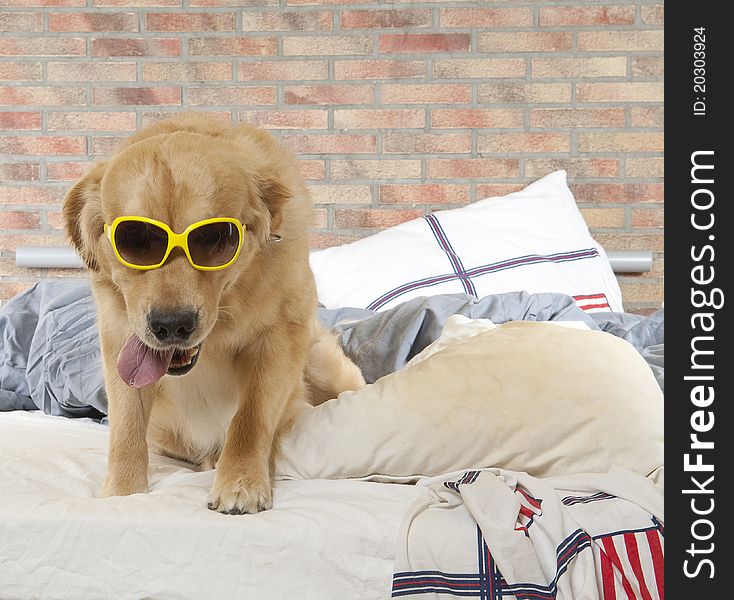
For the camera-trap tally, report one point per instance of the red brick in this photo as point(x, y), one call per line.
point(574, 16)
point(138, 3)
point(10, 241)
point(577, 117)
point(648, 67)
point(333, 143)
point(644, 167)
point(603, 218)
point(327, 2)
point(136, 96)
point(476, 118)
point(30, 96)
point(622, 141)
point(378, 69)
point(66, 171)
point(653, 15)
point(631, 241)
point(55, 219)
point(618, 192)
point(328, 240)
point(312, 170)
point(320, 218)
point(426, 93)
point(181, 22)
point(525, 93)
point(644, 116)
point(328, 94)
point(20, 120)
point(149, 117)
point(20, 71)
point(20, 219)
point(597, 66)
point(459, 68)
point(426, 143)
point(332, 45)
point(91, 71)
point(473, 168)
point(21, 171)
point(232, 46)
point(620, 92)
point(103, 146)
point(375, 169)
point(287, 119)
point(603, 40)
point(136, 47)
point(497, 190)
point(91, 121)
point(42, 3)
point(283, 70)
point(231, 95)
point(287, 21)
point(486, 17)
point(21, 22)
point(93, 22)
point(525, 41)
point(525, 142)
point(576, 167)
point(379, 19)
point(648, 217)
point(341, 194)
point(41, 145)
point(385, 118)
point(425, 42)
point(187, 71)
point(42, 46)
point(425, 193)
point(373, 218)
point(31, 195)
point(233, 3)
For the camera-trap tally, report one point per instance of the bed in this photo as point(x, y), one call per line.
point(401, 512)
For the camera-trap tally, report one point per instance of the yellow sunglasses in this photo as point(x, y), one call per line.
point(144, 244)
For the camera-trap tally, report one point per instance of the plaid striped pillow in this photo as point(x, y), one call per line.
point(534, 240)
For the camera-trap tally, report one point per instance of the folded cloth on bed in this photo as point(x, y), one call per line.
point(50, 357)
point(495, 533)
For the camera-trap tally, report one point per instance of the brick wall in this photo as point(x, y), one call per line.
point(394, 109)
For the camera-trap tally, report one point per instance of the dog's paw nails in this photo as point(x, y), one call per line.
point(240, 497)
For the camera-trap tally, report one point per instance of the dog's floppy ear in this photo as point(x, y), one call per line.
point(274, 194)
point(82, 212)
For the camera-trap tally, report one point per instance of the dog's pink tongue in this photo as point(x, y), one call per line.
point(139, 366)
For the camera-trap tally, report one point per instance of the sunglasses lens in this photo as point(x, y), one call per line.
point(141, 244)
point(214, 245)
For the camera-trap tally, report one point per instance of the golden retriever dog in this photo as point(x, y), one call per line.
point(204, 365)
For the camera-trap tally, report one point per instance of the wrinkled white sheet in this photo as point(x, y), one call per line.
point(322, 540)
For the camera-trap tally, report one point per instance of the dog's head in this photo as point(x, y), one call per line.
point(178, 178)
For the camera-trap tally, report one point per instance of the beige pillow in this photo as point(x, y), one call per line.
point(523, 396)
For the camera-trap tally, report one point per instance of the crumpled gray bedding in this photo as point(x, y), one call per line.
point(50, 357)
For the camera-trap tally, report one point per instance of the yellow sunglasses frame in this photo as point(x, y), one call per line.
point(175, 240)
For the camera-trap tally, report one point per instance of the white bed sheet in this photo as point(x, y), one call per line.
point(323, 539)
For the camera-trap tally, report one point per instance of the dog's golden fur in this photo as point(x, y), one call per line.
point(263, 352)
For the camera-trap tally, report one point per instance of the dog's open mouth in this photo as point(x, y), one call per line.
point(183, 360)
point(139, 365)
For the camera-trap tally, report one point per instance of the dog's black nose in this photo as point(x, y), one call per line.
point(172, 327)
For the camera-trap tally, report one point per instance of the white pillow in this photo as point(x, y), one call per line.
point(533, 240)
point(523, 396)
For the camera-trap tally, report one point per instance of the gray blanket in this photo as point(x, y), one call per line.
point(50, 357)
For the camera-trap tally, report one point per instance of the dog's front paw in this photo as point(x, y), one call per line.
point(119, 486)
point(240, 493)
